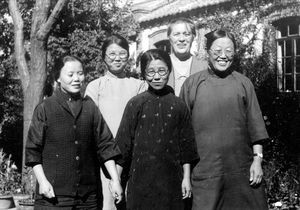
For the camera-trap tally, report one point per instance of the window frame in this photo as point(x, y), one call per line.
point(282, 55)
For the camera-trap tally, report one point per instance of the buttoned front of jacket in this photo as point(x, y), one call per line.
point(69, 147)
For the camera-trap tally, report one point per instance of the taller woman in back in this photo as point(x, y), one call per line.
point(181, 33)
point(229, 130)
point(112, 92)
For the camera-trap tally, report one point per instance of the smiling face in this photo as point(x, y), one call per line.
point(221, 53)
point(157, 74)
point(181, 39)
point(116, 58)
point(71, 77)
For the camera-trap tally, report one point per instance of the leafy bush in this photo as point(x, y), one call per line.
point(281, 168)
point(10, 178)
point(282, 177)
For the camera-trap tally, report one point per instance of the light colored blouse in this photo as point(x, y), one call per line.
point(196, 65)
point(181, 72)
point(111, 94)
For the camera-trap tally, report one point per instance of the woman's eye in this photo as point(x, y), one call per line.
point(162, 70)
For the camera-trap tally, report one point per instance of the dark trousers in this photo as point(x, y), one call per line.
point(89, 201)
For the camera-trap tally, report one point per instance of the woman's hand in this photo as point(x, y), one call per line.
point(116, 190)
point(114, 184)
point(186, 188)
point(46, 189)
point(256, 172)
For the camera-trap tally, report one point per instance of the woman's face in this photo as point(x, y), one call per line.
point(157, 74)
point(71, 77)
point(181, 39)
point(221, 53)
point(116, 58)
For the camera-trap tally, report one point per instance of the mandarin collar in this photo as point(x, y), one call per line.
point(220, 74)
point(111, 75)
point(68, 96)
point(164, 91)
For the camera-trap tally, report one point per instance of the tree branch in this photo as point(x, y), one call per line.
point(39, 16)
point(45, 29)
point(19, 43)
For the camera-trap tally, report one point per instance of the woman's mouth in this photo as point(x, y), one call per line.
point(118, 64)
point(181, 46)
point(76, 86)
point(222, 62)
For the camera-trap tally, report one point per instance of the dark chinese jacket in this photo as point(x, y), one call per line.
point(69, 146)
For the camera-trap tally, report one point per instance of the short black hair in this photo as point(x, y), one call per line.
point(216, 34)
point(154, 54)
point(114, 39)
point(60, 62)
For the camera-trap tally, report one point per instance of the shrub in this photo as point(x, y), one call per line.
point(281, 167)
point(10, 178)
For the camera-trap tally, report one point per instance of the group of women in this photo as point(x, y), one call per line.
point(154, 147)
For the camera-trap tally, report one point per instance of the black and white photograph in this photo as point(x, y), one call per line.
point(149, 104)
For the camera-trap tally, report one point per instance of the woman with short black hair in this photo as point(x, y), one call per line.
point(67, 140)
point(229, 131)
point(157, 141)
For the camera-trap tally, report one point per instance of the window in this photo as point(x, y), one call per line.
point(160, 40)
point(163, 45)
point(288, 54)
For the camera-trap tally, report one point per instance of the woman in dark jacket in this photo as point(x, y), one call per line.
point(157, 141)
point(67, 139)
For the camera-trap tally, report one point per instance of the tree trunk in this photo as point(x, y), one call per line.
point(33, 73)
point(34, 92)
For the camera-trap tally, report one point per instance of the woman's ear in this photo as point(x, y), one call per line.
point(206, 55)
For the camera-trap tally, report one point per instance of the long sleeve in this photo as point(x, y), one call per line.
point(106, 146)
point(188, 147)
point(125, 134)
point(256, 124)
point(35, 139)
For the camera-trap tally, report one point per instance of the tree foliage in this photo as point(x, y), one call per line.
point(83, 27)
point(80, 30)
point(10, 88)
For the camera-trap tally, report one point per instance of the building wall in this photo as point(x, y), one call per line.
point(286, 56)
point(148, 38)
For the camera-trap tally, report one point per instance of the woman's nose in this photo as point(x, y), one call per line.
point(76, 77)
point(117, 58)
point(223, 55)
point(181, 37)
point(156, 76)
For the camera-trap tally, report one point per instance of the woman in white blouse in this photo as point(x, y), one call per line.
point(112, 92)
